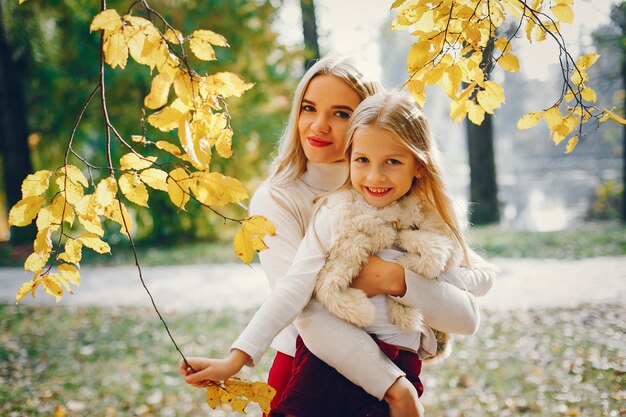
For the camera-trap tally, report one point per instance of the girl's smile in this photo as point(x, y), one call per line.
point(381, 168)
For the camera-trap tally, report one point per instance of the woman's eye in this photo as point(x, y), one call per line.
point(308, 108)
point(342, 114)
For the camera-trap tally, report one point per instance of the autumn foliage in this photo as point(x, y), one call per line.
point(457, 41)
point(70, 203)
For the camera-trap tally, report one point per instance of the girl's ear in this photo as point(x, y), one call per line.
point(420, 170)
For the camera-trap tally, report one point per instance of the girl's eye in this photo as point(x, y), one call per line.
point(361, 159)
point(393, 162)
point(342, 114)
point(308, 108)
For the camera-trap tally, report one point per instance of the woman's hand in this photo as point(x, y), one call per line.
point(403, 400)
point(207, 370)
point(380, 277)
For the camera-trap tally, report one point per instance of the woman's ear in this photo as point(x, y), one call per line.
point(420, 170)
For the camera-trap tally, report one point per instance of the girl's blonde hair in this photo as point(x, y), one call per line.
point(398, 113)
point(290, 161)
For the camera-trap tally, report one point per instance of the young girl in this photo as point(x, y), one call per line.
point(396, 196)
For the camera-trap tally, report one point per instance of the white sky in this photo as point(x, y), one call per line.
point(354, 26)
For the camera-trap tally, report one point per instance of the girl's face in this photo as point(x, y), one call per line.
point(326, 108)
point(381, 168)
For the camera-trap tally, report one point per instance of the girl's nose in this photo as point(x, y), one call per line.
point(376, 174)
point(320, 124)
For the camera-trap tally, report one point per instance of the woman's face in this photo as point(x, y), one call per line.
point(325, 111)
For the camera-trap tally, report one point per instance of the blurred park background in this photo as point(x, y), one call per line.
point(536, 202)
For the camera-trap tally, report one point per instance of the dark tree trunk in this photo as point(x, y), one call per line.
point(483, 186)
point(309, 29)
point(14, 132)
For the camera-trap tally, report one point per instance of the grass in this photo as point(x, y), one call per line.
point(66, 361)
point(586, 240)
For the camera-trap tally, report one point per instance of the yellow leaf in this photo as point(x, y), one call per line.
point(571, 144)
point(509, 62)
point(215, 189)
point(167, 118)
point(200, 43)
point(70, 273)
point(133, 189)
point(226, 84)
point(243, 245)
point(138, 138)
point(529, 120)
point(159, 91)
point(263, 395)
point(25, 210)
point(120, 216)
point(93, 241)
point(569, 96)
point(105, 191)
point(92, 225)
point(223, 146)
point(259, 225)
point(503, 44)
point(43, 241)
point(586, 61)
point(36, 261)
point(186, 86)
point(553, 117)
point(184, 135)
point(51, 286)
point(36, 184)
point(133, 161)
point(154, 178)
point(108, 20)
point(75, 174)
point(72, 191)
point(51, 214)
point(73, 251)
point(174, 36)
point(476, 113)
point(563, 12)
point(579, 77)
point(143, 40)
point(458, 110)
point(178, 187)
point(616, 117)
point(116, 50)
point(588, 94)
point(213, 395)
point(25, 288)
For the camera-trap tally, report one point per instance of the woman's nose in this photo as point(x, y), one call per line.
point(320, 124)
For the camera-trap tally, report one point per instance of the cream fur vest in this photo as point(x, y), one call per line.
point(361, 230)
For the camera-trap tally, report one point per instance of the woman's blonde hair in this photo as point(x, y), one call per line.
point(398, 113)
point(290, 161)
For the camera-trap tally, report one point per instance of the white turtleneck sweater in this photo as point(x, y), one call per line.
point(343, 346)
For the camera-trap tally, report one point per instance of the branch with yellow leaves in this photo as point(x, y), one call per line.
point(452, 38)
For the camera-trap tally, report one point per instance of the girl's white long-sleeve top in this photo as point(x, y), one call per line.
point(347, 348)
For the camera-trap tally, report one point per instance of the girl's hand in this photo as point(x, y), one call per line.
point(403, 400)
point(207, 370)
point(380, 277)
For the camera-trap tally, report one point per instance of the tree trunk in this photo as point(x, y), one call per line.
point(623, 215)
point(309, 29)
point(14, 132)
point(483, 186)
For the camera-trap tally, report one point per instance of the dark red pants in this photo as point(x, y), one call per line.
point(315, 389)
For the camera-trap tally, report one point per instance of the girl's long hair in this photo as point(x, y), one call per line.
point(396, 112)
point(290, 161)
